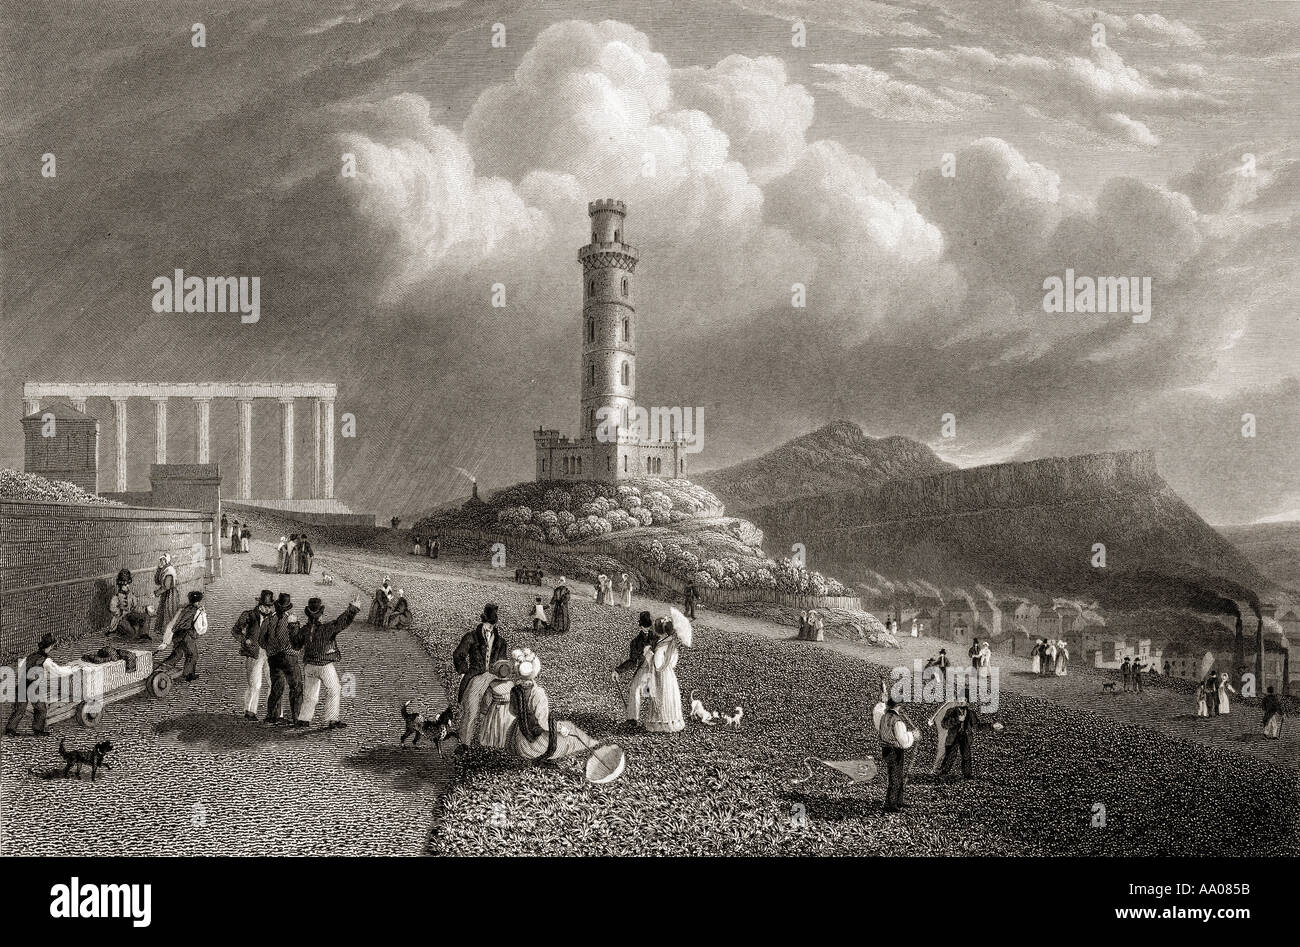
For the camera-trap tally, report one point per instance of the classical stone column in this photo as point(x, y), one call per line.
point(286, 435)
point(31, 406)
point(245, 448)
point(327, 455)
point(160, 426)
point(79, 404)
point(315, 438)
point(202, 428)
point(119, 416)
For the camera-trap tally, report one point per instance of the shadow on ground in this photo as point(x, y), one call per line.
point(411, 768)
point(229, 731)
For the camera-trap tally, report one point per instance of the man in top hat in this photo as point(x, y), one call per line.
point(251, 629)
point(479, 649)
point(644, 638)
point(897, 734)
point(282, 641)
point(39, 672)
point(191, 622)
point(320, 656)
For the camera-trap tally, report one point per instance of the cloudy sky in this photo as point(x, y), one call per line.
point(1113, 141)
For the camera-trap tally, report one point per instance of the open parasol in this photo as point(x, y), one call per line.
point(605, 763)
point(858, 771)
point(682, 627)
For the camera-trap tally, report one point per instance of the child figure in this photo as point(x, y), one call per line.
point(539, 616)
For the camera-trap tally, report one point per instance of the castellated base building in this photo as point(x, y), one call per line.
point(610, 446)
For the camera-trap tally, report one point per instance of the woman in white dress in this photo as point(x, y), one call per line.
point(627, 591)
point(1036, 665)
point(1062, 658)
point(533, 734)
point(281, 554)
point(1224, 690)
point(665, 694)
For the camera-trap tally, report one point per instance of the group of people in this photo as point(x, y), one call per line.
point(609, 592)
point(1048, 657)
point(294, 555)
point(300, 656)
point(1212, 695)
point(654, 696)
point(428, 547)
point(1130, 673)
point(389, 607)
point(130, 620)
point(526, 576)
point(811, 626)
point(240, 537)
point(502, 705)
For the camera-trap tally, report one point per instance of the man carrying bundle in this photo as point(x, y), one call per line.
point(897, 734)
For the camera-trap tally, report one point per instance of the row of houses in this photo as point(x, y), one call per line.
point(1172, 643)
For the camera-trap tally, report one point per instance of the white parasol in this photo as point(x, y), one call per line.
point(605, 764)
point(682, 626)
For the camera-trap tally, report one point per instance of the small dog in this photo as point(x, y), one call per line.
point(417, 725)
point(326, 578)
point(1108, 686)
point(733, 720)
point(706, 717)
point(94, 758)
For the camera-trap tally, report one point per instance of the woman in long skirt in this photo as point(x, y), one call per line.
point(1062, 658)
point(282, 555)
point(1202, 709)
point(1225, 689)
point(626, 591)
point(1049, 657)
point(560, 608)
point(665, 693)
point(495, 717)
point(600, 589)
point(165, 591)
point(1036, 665)
point(534, 735)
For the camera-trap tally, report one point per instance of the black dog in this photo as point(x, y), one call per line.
point(94, 758)
point(417, 725)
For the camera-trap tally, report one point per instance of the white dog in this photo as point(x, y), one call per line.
point(733, 720)
point(707, 717)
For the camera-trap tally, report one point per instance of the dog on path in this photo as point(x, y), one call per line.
point(94, 758)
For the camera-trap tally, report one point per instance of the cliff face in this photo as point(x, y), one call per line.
point(1027, 527)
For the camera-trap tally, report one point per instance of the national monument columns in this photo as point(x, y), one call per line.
point(202, 394)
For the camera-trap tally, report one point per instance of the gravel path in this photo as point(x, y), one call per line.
point(190, 777)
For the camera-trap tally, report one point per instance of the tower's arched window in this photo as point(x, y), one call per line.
point(591, 288)
point(624, 285)
point(627, 329)
point(591, 376)
point(625, 463)
point(591, 330)
point(627, 374)
point(617, 237)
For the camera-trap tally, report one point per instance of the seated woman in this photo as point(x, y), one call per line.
point(535, 735)
point(399, 616)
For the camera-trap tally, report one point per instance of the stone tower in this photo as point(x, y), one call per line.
point(608, 316)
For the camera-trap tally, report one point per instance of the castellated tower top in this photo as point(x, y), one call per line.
point(606, 203)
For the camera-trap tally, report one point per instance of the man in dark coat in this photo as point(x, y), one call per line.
point(320, 655)
point(1212, 693)
point(283, 638)
point(1126, 673)
point(958, 723)
point(251, 629)
point(560, 607)
point(644, 638)
point(190, 623)
point(688, 599)
point(479, 649)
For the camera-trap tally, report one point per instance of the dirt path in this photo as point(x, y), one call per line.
point(190, 777)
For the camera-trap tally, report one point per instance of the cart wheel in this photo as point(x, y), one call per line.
point(88, 716)
point(160, 683)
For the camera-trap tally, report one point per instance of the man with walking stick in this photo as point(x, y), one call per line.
point(645, 638)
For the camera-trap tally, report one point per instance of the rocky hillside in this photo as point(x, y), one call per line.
point(835, 457)
point(1274, 548)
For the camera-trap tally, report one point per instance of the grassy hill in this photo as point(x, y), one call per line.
point(832, 458)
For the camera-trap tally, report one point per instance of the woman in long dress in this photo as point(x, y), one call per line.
point(1224, 689)
point(816, 627)
point(600, 589)
point(534, 735)
point(379, 603)
point(626, 591)
point(234, 536)
point(282, 555)
point(1049, 657)
point(560, 607)
point(608, 584)
point(1036, 664)
point(665, 694)
point(1062, 658)
point(495, 717)
point(165, 591)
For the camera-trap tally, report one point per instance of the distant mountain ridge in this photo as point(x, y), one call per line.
point(837, 456)
point(1018, 528)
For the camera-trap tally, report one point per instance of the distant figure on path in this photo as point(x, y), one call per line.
point(1225, 688)
point(1036, 659)
point(560, 607)
point(688, 599)
point(1272, 715)
point(164, 578)
point(282, 555)
point(1212, 693)
point(1062, 658)
point(305, 555)
point(1202, 700)
point(539, 616)
point(625, 590)
point(245, 538)
point(225, 527)
point(1126, 673)
point(380, 603)
point(599, 584)
point(1138, 668)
